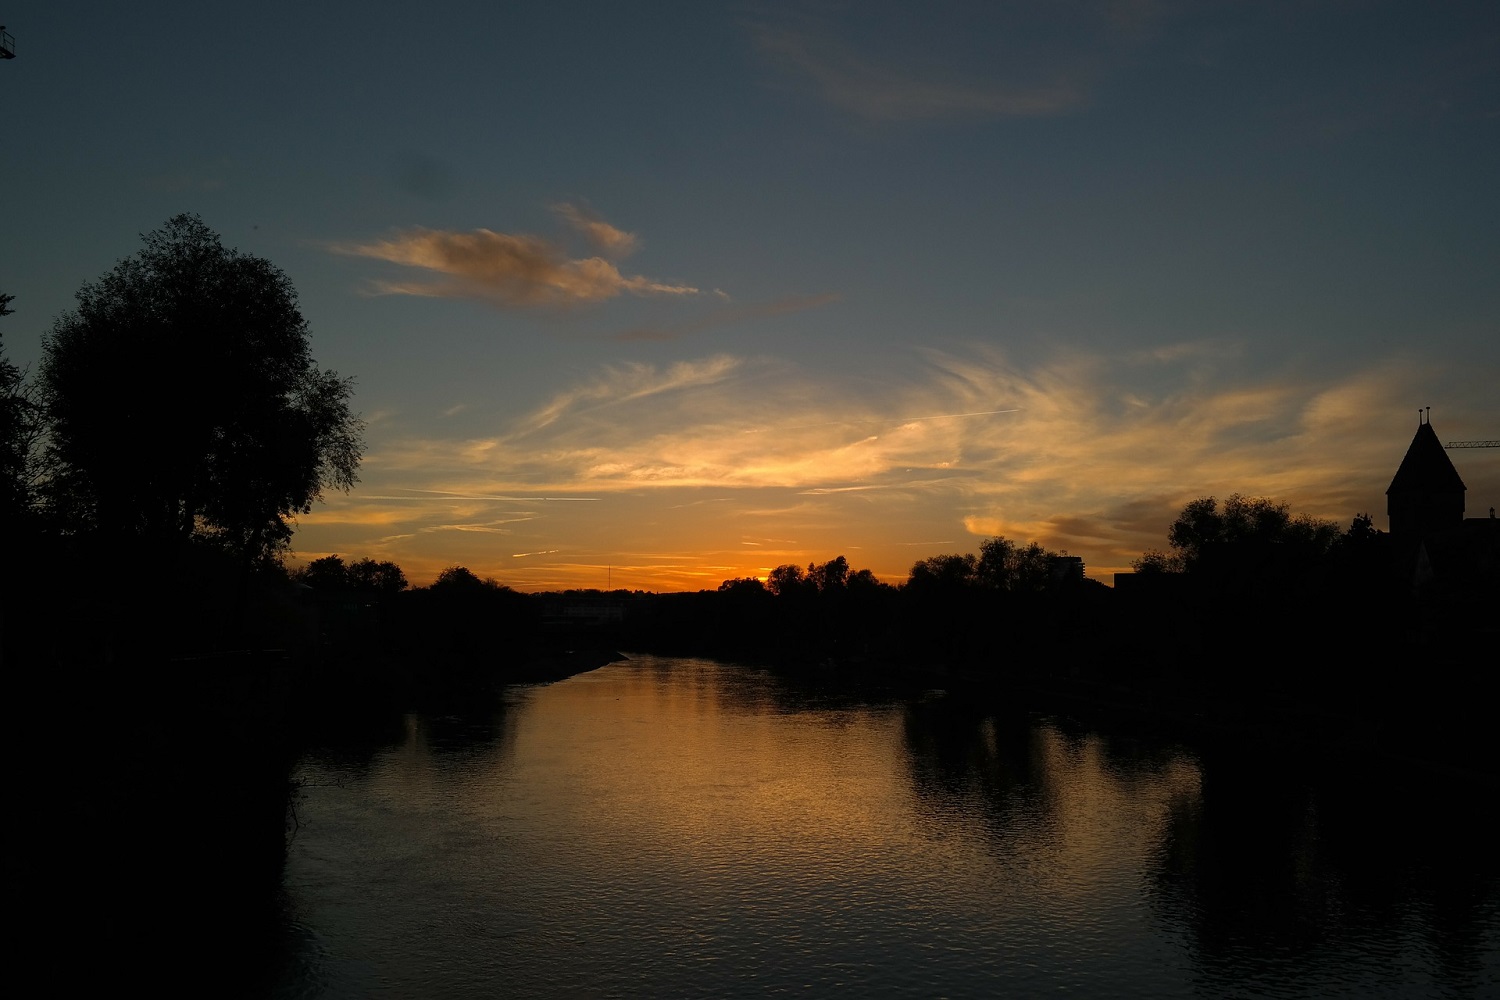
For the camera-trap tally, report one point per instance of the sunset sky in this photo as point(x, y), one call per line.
point(662, 294)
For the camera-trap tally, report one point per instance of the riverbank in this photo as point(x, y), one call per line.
point(560, 664)
point(151, 822)
point(148, 833)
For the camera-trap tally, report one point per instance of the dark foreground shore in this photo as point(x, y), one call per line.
point(152, 813)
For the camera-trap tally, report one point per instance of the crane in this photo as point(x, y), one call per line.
point(1426, 411)
point(7, 44)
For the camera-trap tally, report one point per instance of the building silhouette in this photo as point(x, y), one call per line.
point(1435, 548)
point(1427, 494)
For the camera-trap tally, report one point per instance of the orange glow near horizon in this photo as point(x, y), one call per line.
point(681, 477)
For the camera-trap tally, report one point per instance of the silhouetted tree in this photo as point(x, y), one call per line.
point(1362, 529)
point(742, 585)
point(382, 577)
point(1155, 561)
point(330, 573)
point(996, 562)
point(1208, 537)
point(1008, 566)
point(327, 573)
point(461, 580)
point(949, 572)
point(830, 577)
point(787, 580)
point(183, 401)
point(1032, 569)
point(18, 427)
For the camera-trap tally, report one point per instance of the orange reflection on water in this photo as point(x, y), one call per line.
point(682, 828)
point(717, 781)
point(710, 772)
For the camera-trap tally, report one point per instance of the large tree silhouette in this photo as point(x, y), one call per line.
point(183, 402)
point(1244, 530)
point(19, 427)
point(12, 420)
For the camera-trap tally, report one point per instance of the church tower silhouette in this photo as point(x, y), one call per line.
point(1427, 495)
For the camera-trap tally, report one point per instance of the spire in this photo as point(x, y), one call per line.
point(1426, 467)
point(1427, 493)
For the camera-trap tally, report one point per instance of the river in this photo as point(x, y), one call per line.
point(671, 827)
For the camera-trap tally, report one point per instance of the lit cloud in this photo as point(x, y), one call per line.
point(630, 383)
point(360, 515)
point(508, 270)
point(479, 528)
point(601, 235)
point(825, 490)
point(1092, 454)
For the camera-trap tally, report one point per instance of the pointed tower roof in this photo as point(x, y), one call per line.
point(1426, 467)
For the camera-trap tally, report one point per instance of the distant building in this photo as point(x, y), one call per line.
point(581, 611)
point(1433, 541)
point(1427, 495)
point(1065, 571)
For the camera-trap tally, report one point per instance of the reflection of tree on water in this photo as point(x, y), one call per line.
point(1017, 767)
point(1287, 860)
point(484, 736)
point(1064, 821)
point(1243, 856)
point(958, 751)
point(1280, 864)
point(752, 690)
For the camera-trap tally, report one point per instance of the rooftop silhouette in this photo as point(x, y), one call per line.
point(1427, 493)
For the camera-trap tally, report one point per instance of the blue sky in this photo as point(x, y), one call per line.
point(692, 290)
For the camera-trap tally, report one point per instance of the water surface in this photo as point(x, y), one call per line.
point(671, 827)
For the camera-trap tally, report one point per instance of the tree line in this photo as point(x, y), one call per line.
point(1237, 575)
point(177, 424)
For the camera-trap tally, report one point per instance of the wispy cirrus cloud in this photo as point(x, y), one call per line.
point(508, 269)
point(623, 384)
point(1089, 453)
point(1080, 426)
point(601, 235)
